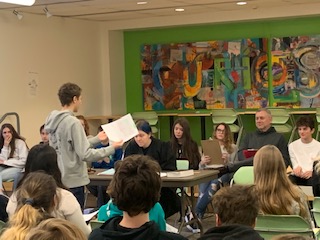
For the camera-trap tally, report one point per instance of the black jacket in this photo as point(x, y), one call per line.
point(158, 150)
point(256, 140)
point(111, 230)
point(231, 232)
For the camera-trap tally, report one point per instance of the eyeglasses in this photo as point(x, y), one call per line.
point(220, 130)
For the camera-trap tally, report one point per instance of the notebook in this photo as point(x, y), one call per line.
point(248, 153)
point(212, 149)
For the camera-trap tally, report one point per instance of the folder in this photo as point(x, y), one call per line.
point(212, 149)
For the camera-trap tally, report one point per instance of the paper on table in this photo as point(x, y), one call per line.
point(121, 129)
point(107, 172)
point(88, 217)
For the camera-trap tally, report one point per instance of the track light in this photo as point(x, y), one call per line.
point(19, 15)
point(46, 11)
point(20, 2)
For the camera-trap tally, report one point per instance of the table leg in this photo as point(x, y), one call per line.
point(182, 210)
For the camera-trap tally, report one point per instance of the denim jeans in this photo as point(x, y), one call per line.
point(100, 193)
point(78, 192)
point(206, 193)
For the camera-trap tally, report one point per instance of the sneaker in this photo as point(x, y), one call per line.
point(193, 226)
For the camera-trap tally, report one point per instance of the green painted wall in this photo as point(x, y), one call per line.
point(134, 39)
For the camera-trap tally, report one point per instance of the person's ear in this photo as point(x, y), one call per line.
point(74, 99)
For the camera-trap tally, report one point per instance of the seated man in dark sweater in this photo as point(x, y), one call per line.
point(236, 210)
point(264, 135)
point(135, 188)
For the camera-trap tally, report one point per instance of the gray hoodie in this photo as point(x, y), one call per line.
point(68, 138)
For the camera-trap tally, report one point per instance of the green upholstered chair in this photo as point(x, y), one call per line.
point(182, 164)
point(230, 117)
point(282, 121)
point(316, 210)
point(95, 224)
point(318, 121)
point(151, 117)
point(243, 175)
point(269, 226)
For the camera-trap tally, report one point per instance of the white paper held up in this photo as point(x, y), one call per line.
point(122, 129)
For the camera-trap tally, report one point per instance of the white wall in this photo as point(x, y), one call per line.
point(59, 50)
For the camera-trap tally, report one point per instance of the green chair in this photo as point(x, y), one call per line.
point(243, 175)
point(318, 121)
point(316, 210)
point(269, 226)
point(2, 226)
point(282, 121)
point(96, 224)
point(151, 117)
point(182, 164)
point(230, 117)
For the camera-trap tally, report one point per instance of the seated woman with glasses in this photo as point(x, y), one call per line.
point(229, 151)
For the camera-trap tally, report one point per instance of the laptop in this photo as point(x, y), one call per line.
point(212, 149)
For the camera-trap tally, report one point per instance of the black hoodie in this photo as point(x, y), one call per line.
point(231, 232)
point(111, 230)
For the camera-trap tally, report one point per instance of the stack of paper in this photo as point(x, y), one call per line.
point(107, 172)
point(122, 129)
point(185, 173)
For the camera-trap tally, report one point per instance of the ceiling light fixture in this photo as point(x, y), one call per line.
point(19, 15)
point(179, 9)
point(241, 3)
point(20, 2)
point(141, 3)
point(46, 11)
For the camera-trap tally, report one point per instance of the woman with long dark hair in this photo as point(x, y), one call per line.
point(183, 145)
point(13, 155)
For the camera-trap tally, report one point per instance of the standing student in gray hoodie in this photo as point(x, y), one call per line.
point(67, 137)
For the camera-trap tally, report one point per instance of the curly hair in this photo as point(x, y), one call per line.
point(136, 184)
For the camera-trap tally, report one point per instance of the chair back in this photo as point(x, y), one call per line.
point(318, 122)
point(316, 210)
point(282, 121)
point(244, 176)
point(230, 117)
point(96, 224)
point(269, 226)
point(151, 117)
point(182, 164)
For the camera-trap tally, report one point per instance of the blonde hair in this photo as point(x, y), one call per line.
point(35, 202)
point(56, 229)
point(275, 190)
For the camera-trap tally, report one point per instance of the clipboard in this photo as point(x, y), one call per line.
point(212, 149)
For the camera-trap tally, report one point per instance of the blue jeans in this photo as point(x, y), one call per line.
point(78, 192)
point(101, 194)
point(207, 192)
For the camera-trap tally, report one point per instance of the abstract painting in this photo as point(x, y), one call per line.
point(205, 75)
point(296, 71)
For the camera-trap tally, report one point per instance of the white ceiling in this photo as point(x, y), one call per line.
point(126, 10)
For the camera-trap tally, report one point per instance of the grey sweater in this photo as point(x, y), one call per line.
point(68, 138)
